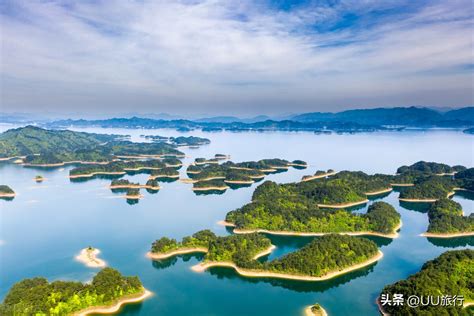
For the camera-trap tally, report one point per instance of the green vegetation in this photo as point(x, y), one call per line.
point(446, 217)
point(189, 141)
point(216, 183)
point(452, 273)
point(41, 146)
point(122, 182)
point(5, 189)
point(465, 179)
point(167, 172)
point(37, 296)
point(433, 187)
point(317, 310)
point(323, 255)
point(279, 207)
point(430, 168)
point(221, 156)
point(132, 193)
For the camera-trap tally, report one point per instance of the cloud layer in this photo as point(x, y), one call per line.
point(234, 57)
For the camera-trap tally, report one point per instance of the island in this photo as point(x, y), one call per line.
point(449, 274)
point(446, 220)
point(107, 292)
point(133, 194)
point(118, 185)
point(38, 147)
point(276, 212)
point(430, 168)
point(6, 192)
point(428, 189)
point(179, 141)
point(221, 156)
point(321, 259)
point(39, 178)
point(465, 180)
point(88, 256)
point(315, 310)
point(165, 173)
point(210, 185)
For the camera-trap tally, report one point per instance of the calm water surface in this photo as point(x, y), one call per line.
point(47, 224)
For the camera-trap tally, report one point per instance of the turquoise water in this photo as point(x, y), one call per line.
point(48, 223)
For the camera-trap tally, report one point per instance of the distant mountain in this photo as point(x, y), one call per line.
point(409, 116)
point(232, 119)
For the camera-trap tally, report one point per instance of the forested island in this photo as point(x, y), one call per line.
point(179, 141)
point(48, 148)
point(164, 166)
point(208, 173)
point(6, 191)
point(428, 189)
point(118, 185)
point(446, 220)
point(452, 273)
point(323, 258)
point(107, 292)
point(165, 173)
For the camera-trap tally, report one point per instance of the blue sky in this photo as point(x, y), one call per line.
point(234, 57)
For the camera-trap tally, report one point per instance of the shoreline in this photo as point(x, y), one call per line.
point(344, 205)
point(182, 251)
point(140, 186)
point(392, 235)
point(308, 312)
point(89, 258)
point(133, 197)
point(62, 164)
point(402, 184)
point(380, 307)
point(163, 176)
point(115, 307)
point(90, 175)
point(7, 195)
point(211, 188)
point(319, 176)
point(201, 267)
point(425, 200)
point(239, 182)
point(448, 235)
point(379, 192)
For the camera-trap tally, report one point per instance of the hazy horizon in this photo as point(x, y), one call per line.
point(233, 58)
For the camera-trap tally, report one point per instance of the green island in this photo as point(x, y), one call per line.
point(39, 147)
point(133, 194)
point(234, 174)
point(221, 156)
point(279, 209)
point(315, 310)
point(428, 189)
point(107, 292)
point(165, 173)
point(323, 258)
point(6, 191)
point(179, 141)
point(452, 273)
point(446, 220)
point(210, 185)
point(465, 179)
point(431, 168)
point(156, 166)
point(39, 178)
point(318, 175)
point(117, 185)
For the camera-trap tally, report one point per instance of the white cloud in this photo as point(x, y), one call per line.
point(230, 56)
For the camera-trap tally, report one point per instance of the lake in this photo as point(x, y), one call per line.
point(48, 223)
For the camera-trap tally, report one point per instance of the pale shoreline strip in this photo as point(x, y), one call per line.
point(318, 176)
point(263, 274)
point(115, 307)
point(393, 235)
point(211, 188)
point(239, 182)
point(182, 251)
point(344, 205)
point(402, 184)
point(7, 195)
point(89, 258)
point(448, 235)
point(308, 312)
point(133, 197)
point(425, 200)
point(89, 175)
point(379, 192)
point(133, 186)
point(169, 176)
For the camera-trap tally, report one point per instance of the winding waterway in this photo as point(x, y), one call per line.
point(48, 223)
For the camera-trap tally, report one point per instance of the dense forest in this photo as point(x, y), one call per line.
point(452, 273)
point(5, 189)
point(446, 217)
point(432, 168)
point(277, 207)
point(215, 183)
point(157, 166)
point(40, 146)
point(37, 296)
point(179, 141)
point(433, 187)
point(465, 179)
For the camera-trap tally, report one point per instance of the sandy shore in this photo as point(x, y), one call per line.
point(89, 258)
point(264, 274)
point(392, 235)
point(308, 312)
point(153, 177)
point(425, 200)
point(211, 188)
point(379, 192)
point(449, 235)
point(344, 205)
point(13, 157)
point(133, 197)
point(402, 184)
point(134, 186)
point(298, 165)
point(89, 175)
point(201, 180)
point(8, 195)
point(142, 168)
point(112, 309)
point(319, 176)
point(182, 251)
point(238, 182)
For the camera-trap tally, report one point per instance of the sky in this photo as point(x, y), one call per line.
point(229, 57)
